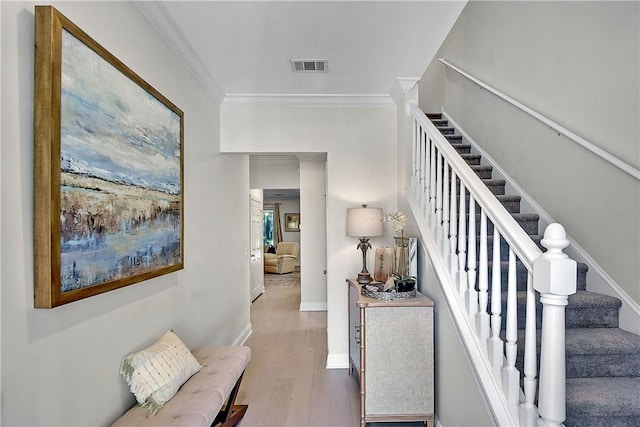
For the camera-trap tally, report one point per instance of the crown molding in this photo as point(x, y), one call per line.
point(159, 17)
point(307, 100)
point(401, 86)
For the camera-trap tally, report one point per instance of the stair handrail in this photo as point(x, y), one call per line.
point(603, 154)
point(551, 274)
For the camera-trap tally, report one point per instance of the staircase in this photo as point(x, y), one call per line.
point(602, 360)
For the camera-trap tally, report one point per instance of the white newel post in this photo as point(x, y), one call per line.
point(554, 276)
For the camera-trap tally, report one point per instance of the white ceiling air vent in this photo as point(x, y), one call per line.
point(309, 65)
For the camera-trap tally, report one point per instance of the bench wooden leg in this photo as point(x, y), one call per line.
point(231, 414)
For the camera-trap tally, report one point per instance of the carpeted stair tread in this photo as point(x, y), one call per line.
point(471, 159)
point(593, 300)
point(603, 401)
point(434, 116)
point(594, 352)
point(461, 147)
point(446, 130)
point(440, 122)
point(483, 171)
point(454, 139)
point(602, 341)
point(585, 309)
point(495, 185)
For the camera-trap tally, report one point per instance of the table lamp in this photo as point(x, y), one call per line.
point(364, 223)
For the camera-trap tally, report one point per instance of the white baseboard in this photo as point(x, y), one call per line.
point(244, 335)
point(257, 291)
point(313, 306)
point(598, 280)
point(337, 361)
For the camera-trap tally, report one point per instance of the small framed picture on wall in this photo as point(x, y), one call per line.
point(292, 222)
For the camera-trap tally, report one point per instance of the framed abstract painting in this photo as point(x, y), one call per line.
point(108, 169)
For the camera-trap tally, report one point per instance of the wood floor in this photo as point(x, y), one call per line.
point(286, 382)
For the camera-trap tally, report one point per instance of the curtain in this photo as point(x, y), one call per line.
point(277, 228)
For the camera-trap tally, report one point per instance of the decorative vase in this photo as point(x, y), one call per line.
point(402, 255)
point(384, 262)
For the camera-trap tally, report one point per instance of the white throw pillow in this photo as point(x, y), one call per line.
point(156, 373)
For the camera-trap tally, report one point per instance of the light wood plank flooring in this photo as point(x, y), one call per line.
point(286, 383)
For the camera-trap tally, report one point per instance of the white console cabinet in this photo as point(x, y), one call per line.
point(391, 352)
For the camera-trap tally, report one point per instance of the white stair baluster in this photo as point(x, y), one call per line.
point(510, 374)
point(530, 356)
point(453, 227)
point(438, 181)
point(554, 276)
point(425, 174)
point(482, 318)
point(414, 165)
point(445, 211)
point(471, 297)
point(462, 243)
point(432, 181)
point(496, 346)
point(423, 163)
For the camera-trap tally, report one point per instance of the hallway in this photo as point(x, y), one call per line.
point(286, 383)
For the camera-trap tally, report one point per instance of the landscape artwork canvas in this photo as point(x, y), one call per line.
point(120, 200)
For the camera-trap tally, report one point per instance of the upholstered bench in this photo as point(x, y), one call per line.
point(200, 400)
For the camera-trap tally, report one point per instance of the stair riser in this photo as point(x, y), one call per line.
point(601, 317)
point(591, 365)
point(440, 122)
point(484, 173)
point(600, 421)
point(446, 130)
point(471, 159)
point(602, 365)
point(512, 206)
point(575, 317)
point(462, 148)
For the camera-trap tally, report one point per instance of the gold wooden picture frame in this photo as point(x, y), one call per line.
point(108, 158)
point(292, 222)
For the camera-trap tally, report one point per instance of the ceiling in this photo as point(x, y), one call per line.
point(241, 49)
point(281, 194)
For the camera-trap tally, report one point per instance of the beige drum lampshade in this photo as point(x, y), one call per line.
point(364, 222)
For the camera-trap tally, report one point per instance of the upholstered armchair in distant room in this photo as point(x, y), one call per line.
point(284, 260)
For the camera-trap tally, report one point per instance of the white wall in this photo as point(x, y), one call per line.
point(453, 375)
point(313, 235)
point(360, 143)
point(61, 366)
point(274, 172)
point(577, 63)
